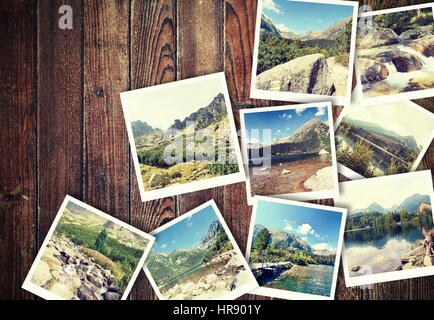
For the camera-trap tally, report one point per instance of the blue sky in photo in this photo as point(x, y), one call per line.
point(283, 123)
point(319, 228)
point(186, 233)
point(302, 17)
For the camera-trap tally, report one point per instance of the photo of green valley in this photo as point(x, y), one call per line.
point(396, 53)
point(304, 47)
point(182, 134)
point(195, 259)
point(88, 257)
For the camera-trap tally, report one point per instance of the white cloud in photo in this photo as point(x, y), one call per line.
point(288, 226)
point(305, 229)
point(320, 112)
point(322, 246)
point(282, 27)
point(285, 116)
point(163, 246)
point(299, 111)
point(304, 239)
point(271, 5)
point(314, 20)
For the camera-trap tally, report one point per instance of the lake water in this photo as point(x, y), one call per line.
point(314, 279)
point(382, 252)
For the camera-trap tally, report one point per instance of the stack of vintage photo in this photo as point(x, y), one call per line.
point(183, 139)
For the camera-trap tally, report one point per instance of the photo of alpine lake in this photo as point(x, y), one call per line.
point(294, 249)
point(194, 259)
point(88, 257)
point(289, 151)
point(392, 231)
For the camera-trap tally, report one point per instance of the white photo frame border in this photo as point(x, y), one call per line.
point(391, 275)
point(246, 288)
point(299, 196)
point(397, 97)
point(305, 97)
point(351, 174)
point(193, 186)
point(292, 295)
point(48, 295)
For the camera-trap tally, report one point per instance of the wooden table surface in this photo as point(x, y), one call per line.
point(62, 127)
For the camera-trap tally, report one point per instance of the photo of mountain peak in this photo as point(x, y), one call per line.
point(182, 133)
point(371, 147)
point(289, 150)
point(305, 47)
point(294, 250)
point(195, 258)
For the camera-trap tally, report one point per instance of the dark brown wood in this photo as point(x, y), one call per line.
point(153, 61)
point(63, 129)
point(106, 74)
point(18, 151)
point(200, 51)
point(60, 110)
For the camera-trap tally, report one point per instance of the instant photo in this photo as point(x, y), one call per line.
point(383, 139)
point(195, 257)
point(87, 255)
point(304, 50)
point(182, 136)
point(389, 233)
point(289, 152)
point(395, 56)
point(294, 248)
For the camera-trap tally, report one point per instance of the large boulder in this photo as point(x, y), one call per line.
point(403, 61)
point(42, 274)
point(158, 179)
point(424, 45)
point(371, 70)
point(412, 34)
point(112, 296)
point(62, 290)
point(307, 74)
point(377, 37)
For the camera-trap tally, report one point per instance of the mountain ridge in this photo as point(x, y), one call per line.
point(409, 204)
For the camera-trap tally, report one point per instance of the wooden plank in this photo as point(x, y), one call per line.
point(60, 92)
point(153, 61)
point(18, 151)
point(106, 74)
point(200, 51)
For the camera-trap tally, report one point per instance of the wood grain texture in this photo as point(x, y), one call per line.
point(61, 115)
point(200, 51)
point(18, 151)
point(153, 61)
point(106, 74)
point(60, 110)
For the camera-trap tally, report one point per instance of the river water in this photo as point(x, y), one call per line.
point(382, 252)
point(398, 82)
point(313, 279)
